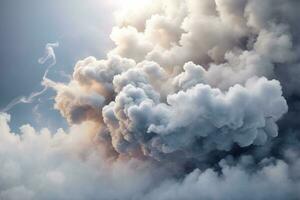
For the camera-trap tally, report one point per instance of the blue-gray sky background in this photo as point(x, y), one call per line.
point(82, 29)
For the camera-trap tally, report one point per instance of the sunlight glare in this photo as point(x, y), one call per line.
point(130, 3)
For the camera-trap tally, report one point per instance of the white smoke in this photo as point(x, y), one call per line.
point(198, 100)
point(38, 165)
point(49, 55)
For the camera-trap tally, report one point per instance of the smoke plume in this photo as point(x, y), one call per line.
point(197, 100)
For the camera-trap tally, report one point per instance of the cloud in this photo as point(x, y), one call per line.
point(198, 100)
point(272, 181)
point(44, 165)
point(71, 165)
point(139, 122)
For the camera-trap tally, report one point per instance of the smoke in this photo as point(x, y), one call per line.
point(49, 55)
point(198, 100)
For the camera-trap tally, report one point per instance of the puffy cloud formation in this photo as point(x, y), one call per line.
point(243, 115)
point(42, 165)
point(272, 181)
point(149, 111)
point(198, 100)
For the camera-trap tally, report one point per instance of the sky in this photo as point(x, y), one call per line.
point(150, 99)
point(26, 27)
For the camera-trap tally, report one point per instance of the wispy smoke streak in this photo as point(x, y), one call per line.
point(49, 55)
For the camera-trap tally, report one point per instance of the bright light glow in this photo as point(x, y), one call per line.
point(130, 3)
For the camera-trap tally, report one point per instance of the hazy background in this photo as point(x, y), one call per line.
point(82, 29)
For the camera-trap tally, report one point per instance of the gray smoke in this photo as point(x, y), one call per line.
point(198, 100)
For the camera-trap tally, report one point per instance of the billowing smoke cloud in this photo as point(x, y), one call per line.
point(246, 116)
point(71, 165)
point(44, 165)
point(49, 55)
point(198, 100)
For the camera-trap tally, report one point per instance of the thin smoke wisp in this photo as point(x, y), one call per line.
point(49, 55)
